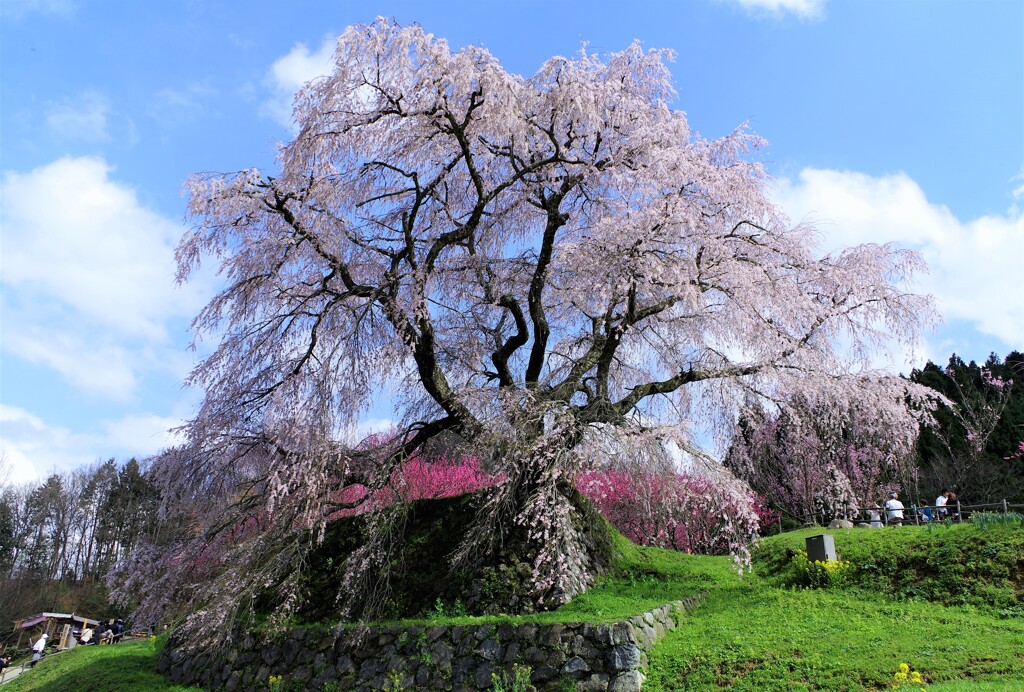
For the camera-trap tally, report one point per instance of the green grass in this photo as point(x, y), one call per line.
point(760, 637)
point(759, 634)
point(755, 633)
point(122, 667)
point(962, 564)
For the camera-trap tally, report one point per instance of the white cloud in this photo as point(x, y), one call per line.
point(173, 107)
point(370, 426)
point(20, 8)
point(290, 72)
point(82, 240)
point(33, 448)
point(973, 264)
point(805, 9)
point(106, 370)
point(88, 277)
point(147, 433)
point(81, 118)
point(1017, 195)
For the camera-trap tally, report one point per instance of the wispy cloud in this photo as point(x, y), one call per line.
point(970, 262)
point(102, 369)
point(173, 107)
point(805, 9)
point(83, 117)
point(16, 9)
point(288, 74)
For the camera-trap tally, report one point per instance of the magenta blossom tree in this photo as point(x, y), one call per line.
point(527, 262)
point(689, 512)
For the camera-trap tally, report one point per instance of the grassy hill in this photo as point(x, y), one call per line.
point(760, 632)
point(126, 667)
point(979, 564)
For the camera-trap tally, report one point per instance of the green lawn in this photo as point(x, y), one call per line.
point(757, 634)
point(758, 637)
point(125, 667)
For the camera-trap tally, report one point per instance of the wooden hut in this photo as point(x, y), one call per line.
point(60, 627)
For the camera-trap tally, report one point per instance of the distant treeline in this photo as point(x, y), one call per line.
point(59, 539)
point(975, 448)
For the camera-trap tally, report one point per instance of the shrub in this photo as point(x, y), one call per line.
point(820, 574)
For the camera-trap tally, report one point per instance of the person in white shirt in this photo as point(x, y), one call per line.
point(38, 649)
point(894, 509)
point(940, 503)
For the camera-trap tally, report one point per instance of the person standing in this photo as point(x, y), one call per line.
point(38, 649)
point(875, 517)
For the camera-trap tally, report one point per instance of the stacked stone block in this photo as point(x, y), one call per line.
point(589, 656)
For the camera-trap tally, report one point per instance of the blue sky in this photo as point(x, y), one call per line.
point(887, 121)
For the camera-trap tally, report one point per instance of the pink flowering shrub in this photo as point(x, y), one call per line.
point(695, 514)
point(688, 513)
point(419, 479)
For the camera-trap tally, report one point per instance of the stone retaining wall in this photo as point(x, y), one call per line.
point(463, 657)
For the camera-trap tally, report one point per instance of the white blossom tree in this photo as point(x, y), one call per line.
point(522, 262)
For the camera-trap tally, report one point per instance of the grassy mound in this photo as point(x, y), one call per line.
point(422, 582)
point(760, 633)
point(761, 638)
point(130, 665)
point(960, 564)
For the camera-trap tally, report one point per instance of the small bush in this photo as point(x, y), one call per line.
point(820, 574)
point(517, 681)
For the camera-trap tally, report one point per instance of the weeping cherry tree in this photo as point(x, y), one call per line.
point(526, 263)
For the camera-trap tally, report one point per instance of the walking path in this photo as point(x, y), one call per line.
point(11, 673)
point(16, 670)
